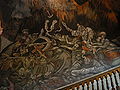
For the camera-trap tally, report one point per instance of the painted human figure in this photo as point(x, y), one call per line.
point(90, 34)
point(101, 37)
point(73, 32)
point(51, 27)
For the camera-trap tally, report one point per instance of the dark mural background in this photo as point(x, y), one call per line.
point(47, 44)
point(102, 15)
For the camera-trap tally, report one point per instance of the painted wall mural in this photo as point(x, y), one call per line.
point(46, 44)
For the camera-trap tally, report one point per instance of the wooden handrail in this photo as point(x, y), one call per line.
point(106, 74)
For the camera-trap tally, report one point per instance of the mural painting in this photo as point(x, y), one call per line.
point(47, 44)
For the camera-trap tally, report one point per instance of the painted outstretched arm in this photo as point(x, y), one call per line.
point(67, 28)
point(51, 27)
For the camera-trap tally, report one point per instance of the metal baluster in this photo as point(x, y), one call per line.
point(104, 83)
point(95, 85)
point(117, 78)
point(109, 82)
point(90, 86)
point(85, 87)
point(80, 87)
point(100, 84)
point(75, 88)
point(113, 81)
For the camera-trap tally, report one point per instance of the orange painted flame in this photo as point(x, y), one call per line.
point(85, 9)
point(112, 55)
